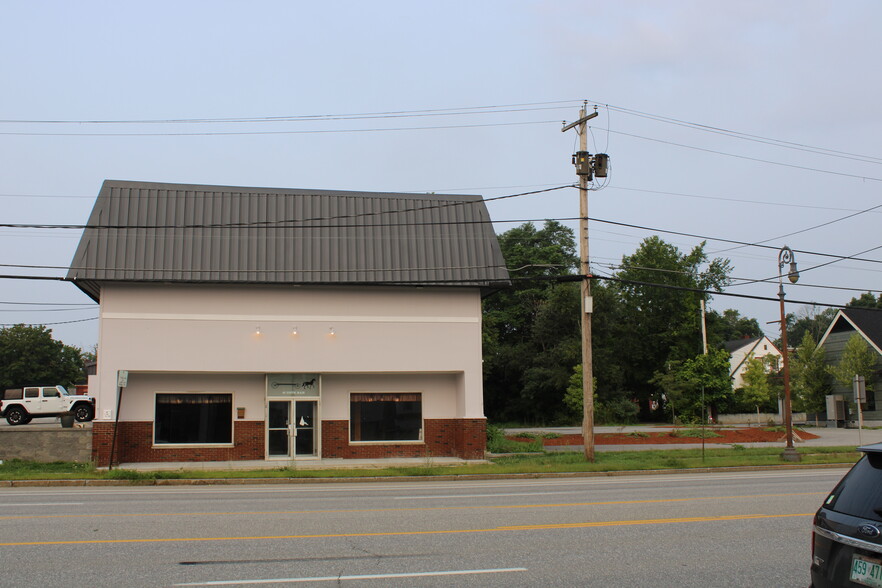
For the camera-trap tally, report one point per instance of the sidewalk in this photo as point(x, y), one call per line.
point(300, 464)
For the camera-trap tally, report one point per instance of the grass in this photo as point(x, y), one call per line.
point(698, 433)
point(548, 463)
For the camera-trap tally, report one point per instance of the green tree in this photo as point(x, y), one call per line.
point(30, 356)
point(866, 300)
point(758, 391)
point(811, 376)
point(809, 319)
point(658, 319)
point(730, 325)
point(857, 360)
point(700, 381)
point(531, 332)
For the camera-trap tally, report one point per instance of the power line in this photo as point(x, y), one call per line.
point(737, 200)
point(94, 318)
point(287, 223)
point(465, 110)
point(49, 303)
point(749, 137)
point(872, 208)
point(747, 158)
point(293, 132)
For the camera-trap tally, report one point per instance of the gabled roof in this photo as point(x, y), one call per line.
point(153, 232)
point(749, 345)
point(867, 322)
point(736, 344)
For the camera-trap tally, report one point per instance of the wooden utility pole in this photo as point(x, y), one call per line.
point(587, 304)
point(585, 271)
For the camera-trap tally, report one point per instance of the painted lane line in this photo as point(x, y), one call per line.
point(362, 577)
point(412, 533)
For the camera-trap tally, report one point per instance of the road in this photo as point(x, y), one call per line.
point(719, 529)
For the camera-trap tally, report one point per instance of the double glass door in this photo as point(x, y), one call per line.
point(291, 428)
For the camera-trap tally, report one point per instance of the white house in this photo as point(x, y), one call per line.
point(258, 323)
point(742, 350)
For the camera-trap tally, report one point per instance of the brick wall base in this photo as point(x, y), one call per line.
point(465, 438)
point(135, 444)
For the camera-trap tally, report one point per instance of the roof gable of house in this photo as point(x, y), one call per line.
point(864, 321)
point(736, 344)
point(153, 232)
point(748, 347)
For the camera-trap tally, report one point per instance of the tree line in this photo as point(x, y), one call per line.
point(647, 347)
point(30, 356)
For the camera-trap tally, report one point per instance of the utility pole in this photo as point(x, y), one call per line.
point(586, 167)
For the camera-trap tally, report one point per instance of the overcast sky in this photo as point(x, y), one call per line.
point(801, 72)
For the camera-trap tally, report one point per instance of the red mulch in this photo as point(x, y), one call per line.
point(741, 435)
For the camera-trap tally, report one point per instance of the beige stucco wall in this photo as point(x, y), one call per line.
point(204, 329)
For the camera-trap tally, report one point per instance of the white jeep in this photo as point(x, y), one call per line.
point(20, 405)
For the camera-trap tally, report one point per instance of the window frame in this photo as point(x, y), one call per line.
point(420, 440)
point(160, 445)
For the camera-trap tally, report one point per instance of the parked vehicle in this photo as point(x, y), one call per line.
point(21, 405)
point(847, 537)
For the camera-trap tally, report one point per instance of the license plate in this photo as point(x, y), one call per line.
point(866, 571)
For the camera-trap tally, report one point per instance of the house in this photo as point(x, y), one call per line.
point(255, 323)
point(742, 350)
point(868, 324)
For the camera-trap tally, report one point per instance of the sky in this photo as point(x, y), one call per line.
point(753, 122)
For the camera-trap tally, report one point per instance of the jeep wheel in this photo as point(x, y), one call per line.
point(16, 416)
point(83, 413)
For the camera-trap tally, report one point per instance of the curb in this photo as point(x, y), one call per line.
point(441, 478)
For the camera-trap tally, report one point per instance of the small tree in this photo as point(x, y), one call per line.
point(811, 376)
point(710, 373)
point(691, 385)
point(857, 360)
point(758, 389)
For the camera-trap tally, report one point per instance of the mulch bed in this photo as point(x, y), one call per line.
point(730, 436)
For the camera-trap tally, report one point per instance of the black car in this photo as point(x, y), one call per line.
point(847, 537)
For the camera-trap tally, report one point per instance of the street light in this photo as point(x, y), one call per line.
point(785, 256)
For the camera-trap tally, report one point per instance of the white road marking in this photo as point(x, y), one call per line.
point(14, 504)
point(362, 577)
point(494, 495)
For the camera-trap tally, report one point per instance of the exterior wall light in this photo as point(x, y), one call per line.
point(294, 331)
point(331, 331)
point(257, 331)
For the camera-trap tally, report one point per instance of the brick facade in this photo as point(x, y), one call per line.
point(465, 438)
point(135, 444)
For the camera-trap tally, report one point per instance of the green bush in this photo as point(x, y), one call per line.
point(698, 433)
point(618, 411)
point(497, 443)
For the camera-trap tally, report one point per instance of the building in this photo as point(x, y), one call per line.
point(866, 323)
point(742, 350)
point(257, 323)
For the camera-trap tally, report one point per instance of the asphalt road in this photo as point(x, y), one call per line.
point(722, 529)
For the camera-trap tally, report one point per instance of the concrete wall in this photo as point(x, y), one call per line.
point(750, 418)
point(45, 444)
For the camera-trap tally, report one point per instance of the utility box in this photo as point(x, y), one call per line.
point(837, 411)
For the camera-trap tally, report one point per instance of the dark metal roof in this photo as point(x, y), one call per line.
point(867, 321)
point(152, 232)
